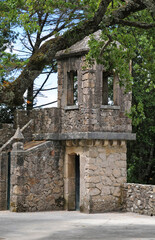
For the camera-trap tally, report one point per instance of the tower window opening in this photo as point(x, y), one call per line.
point(72, 88)
point(107, 89)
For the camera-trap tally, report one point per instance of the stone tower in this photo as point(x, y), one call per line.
point(95, 128)
point(77, 159)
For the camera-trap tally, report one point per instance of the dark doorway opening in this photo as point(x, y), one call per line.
point(72, 182)
point(77, 182)
point(8, 181)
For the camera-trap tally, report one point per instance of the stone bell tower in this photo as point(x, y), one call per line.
point(94, 128)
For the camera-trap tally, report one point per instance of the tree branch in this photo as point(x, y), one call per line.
point(48, 89)
point(136, 24)
point(123, 12)
point(150, 4)
point(42, 85)
point(105, 45)
point(45, 104)
point(29, 38)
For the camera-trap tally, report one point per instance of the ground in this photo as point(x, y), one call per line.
point(74, 225)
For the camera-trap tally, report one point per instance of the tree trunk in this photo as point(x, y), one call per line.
point(30, 97)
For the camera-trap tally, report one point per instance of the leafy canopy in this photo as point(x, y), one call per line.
point(47, 26)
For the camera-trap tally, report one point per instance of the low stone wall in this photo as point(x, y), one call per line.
point(101, 120)
point(139, 198)
point(37, 178)
point(44, 120)
point(78, 119)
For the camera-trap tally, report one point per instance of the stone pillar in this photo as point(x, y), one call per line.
point(17, 179)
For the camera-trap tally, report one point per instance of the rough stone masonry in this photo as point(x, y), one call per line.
point(74, 156)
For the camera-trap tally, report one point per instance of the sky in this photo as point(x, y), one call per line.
point(49, 96)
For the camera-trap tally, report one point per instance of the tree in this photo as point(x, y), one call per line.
point(104, 14)
point(6, 37)
point(114, 50)
point(40, 21)
point(141, 155)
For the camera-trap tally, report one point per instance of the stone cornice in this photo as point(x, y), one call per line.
point(85, 135)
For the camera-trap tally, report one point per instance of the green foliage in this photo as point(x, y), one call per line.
point(30, 14)
point(141, 156)
point(116, 47)
point(9, 65)
point(8, 61)
point(119, 44)
point(114, 52)
point(37, 21)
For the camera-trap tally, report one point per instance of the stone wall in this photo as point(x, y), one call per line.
point(37, 178)
point(102, 171)
point(45, 120)
point(53, 120)
point(139, 198)
point(95, 120)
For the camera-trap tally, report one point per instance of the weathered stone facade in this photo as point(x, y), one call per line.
point(90, 115)
point(37, 177)
point(74, 156)
point(102, 169)
point(139, 198)
point(44, 121)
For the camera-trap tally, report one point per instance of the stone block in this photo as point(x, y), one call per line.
point(116, 173)
point(99, 186)
point(17, 190)
point(93, 153)
point(108, 172)
point(85, 76)
point(85, 84)
point(106, 181)
point(94, 191)
point(117, 192)
point(92, 179)
point(102, 156)
point(91, 167)
point(106, 191)
point(121, 164)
